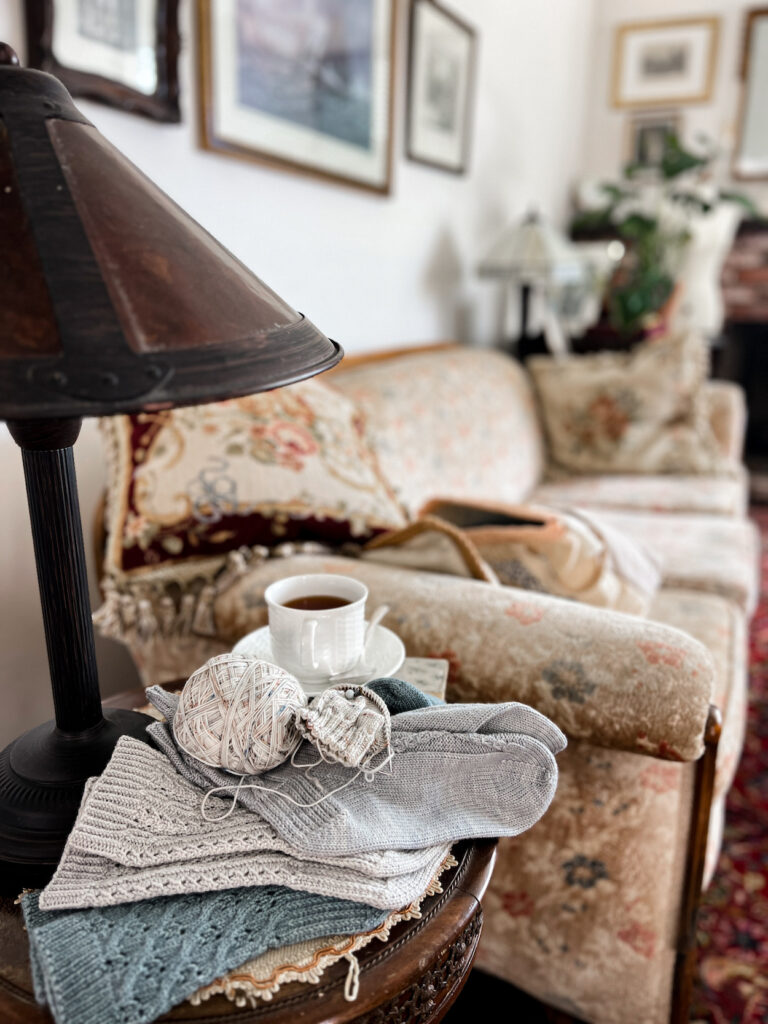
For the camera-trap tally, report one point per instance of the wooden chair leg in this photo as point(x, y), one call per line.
point(685, 961)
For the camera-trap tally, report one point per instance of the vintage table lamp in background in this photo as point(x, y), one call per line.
point(570, 278)
point(112, 300)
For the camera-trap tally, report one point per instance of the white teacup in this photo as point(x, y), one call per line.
point(317, 642)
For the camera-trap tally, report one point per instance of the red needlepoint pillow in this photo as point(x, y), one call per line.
point(285, 465)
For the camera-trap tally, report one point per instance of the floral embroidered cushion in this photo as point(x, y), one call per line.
point(290, 464)
point(636, 412)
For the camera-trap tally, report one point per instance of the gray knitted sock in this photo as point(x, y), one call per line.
point(447, 782)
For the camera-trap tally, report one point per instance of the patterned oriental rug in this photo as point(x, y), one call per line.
point(732, 983)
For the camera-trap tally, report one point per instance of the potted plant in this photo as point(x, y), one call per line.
point(677, 227)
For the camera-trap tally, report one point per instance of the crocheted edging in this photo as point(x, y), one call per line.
point(243, 990)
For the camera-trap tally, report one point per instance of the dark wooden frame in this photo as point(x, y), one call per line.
point(751, 17)
point(471, 88)
point(210, 141)
point(162, 105)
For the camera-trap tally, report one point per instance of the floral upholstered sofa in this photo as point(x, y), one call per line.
point(593, 909)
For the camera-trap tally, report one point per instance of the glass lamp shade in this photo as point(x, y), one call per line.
point(112, 298)
point(534, 252)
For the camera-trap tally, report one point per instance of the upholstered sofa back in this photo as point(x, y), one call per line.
point(449, 421)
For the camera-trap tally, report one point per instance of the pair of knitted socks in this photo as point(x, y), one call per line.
point(459, 771)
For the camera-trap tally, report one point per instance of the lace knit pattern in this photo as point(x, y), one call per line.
point(129, 964)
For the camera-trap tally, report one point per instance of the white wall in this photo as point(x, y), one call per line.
point(369, 271)
point(607, 127)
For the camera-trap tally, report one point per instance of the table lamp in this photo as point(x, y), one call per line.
point(533, 253)
point(112, 300)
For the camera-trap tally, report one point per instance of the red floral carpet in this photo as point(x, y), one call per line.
point(732, 984)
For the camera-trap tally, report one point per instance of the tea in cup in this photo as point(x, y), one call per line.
point(317, 624)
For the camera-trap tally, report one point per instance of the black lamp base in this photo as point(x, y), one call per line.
point(42, 776)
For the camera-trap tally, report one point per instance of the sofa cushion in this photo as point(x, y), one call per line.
point(192, 483)
point(725, 496)
point(641, 411)
point(717, 554)
point(453, 422)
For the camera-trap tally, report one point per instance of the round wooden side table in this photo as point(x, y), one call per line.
point(414, 978)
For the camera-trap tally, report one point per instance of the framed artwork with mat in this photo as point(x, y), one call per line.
point(441, 76)
point(664, 63)
point(305, 87)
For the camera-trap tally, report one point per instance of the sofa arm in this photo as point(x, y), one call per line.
point(613, 680)
point(727, 413)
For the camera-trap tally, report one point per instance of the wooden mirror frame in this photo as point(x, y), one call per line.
point(162, 105)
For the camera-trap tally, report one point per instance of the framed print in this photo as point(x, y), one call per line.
point(665, 62)
point(440, 87)
point(648, 136)
point(750, 158)
point(302, 84)
point(120, 52)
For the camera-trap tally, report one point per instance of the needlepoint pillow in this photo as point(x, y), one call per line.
point(638, 412)
point(284, 465)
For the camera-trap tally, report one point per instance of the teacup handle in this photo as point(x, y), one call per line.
point(308, 634)
point(375, 619)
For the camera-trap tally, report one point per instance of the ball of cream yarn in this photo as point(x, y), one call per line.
point(238, 713)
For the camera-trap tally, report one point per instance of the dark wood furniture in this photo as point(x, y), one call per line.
point(742, 351)
point(414, 978)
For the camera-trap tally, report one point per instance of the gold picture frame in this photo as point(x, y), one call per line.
point(678, 55)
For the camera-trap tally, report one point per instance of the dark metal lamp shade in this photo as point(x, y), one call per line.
point(112, 300)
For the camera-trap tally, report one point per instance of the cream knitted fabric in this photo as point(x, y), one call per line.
point(346, 724)
point(139, 834)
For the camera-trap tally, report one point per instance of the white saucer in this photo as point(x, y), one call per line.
point(384, 657)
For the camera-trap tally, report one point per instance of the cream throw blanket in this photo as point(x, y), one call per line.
point(569, 553)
